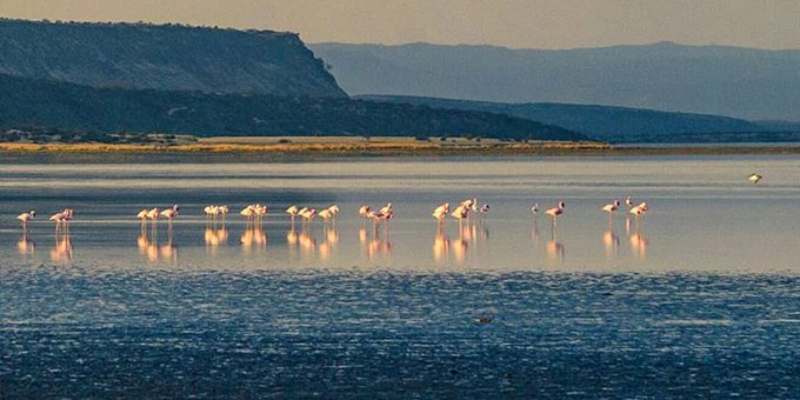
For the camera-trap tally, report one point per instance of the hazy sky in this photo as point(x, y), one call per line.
point(512, 23)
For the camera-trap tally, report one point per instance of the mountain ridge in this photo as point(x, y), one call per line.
point(721, 80)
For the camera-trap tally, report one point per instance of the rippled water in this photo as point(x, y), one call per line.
point(697, 300)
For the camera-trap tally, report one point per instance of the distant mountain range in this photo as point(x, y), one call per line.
point(621, 124)
point(739, 82)
point(164, 57)
point(36, 105)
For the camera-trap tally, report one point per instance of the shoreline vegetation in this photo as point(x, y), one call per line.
point(377, 146)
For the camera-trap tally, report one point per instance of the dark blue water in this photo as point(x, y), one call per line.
point(85, 333)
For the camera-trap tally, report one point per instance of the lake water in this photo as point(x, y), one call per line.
point(697, 299)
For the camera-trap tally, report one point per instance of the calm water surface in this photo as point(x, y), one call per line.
point(697, 300)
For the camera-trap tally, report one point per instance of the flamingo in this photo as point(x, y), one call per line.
point(223, 211)
point(260, 210)
point(383, 216)
point(387, 209)
point(754, 178)
point(461, 212)
point(326, 214)
point(611, 208)
point(142, 215)
point(248, 212)
point(628, 202)
point(170, 213)
point(557, 211)
point(334, 209)
point(26, 216)
point(484, 209)
point(535, 209)
point(639, 210)
point(441, 211)
point(308, 213)
point(364, 211)
point(292, 211)
point(211, 211)
point(153, 214)
point(59, 217)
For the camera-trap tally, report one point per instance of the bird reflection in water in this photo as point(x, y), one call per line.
point(253, 238)
point(25, 245)
point(379, 245)
point(330, 240)
point(214, 238)
point(441, 245)
point(611, 242)
point(639, 244)
point(155, 251)
point(62, 250)
point(555, 249)
point(471, 235)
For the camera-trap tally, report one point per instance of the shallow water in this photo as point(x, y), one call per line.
point(698, 299)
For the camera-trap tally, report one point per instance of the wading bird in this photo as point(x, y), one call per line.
point(170, 213)
point(557, 211)
point(754, 178)
point(441, 211)
point(25, 217)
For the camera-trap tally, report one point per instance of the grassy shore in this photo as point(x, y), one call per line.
point(382, 146)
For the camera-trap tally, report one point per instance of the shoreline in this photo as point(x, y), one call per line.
point(387, 147)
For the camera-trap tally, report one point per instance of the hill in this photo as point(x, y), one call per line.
point(39, 105)
point(614, 124)
point(165, 57)
point(741, 82)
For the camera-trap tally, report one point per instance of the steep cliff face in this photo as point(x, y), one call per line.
point(164, 57)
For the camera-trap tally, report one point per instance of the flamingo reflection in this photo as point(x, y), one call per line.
point(441, 245)
point(611, 242)
point(62, 250)
point(215, 237)
point(153, 250)
point(253, 238)
point(25, 246)
point(328, 246)
point(555, 249)
point(380, 245)
point(639, 244)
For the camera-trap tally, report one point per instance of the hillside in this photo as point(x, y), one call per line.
point(35, 105)
point(740, 82)
point(165, 57)
point(615, 124)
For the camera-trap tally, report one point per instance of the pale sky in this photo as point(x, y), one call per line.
point(512, 23)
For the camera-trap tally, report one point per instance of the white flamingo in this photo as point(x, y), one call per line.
point(461, 212)
point(26, 216)
point(754, 178)
point(640, 210)
point(387, 209)
point(170, 213)
point(611, 207)
point(308, 214)
point(441, 211)
point(364, 211)
point(292, 211)
point(153, 213)
point(326, 214)
point(535, 209)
